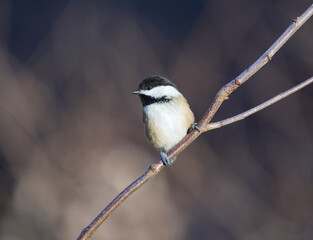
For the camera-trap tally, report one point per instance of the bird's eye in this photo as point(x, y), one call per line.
point(148, 87)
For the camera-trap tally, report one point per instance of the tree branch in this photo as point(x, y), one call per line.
point(258, 108)
point(203, 125)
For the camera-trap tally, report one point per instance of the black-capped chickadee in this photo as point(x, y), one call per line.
point(166, 114)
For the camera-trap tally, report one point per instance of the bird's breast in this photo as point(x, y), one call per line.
point(167, 123)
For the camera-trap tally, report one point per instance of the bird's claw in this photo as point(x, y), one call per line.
point(165, 159)
point(193, 127)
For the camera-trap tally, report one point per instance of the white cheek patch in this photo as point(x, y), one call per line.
point(161, 91)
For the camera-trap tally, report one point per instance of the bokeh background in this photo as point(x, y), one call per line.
point(71, 133)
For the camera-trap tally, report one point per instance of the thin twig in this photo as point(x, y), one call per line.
point(258, 108)
point(230, 87)
point(150, 173)
point(203, 125)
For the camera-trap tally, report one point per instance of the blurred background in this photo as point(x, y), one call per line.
point(71, 132)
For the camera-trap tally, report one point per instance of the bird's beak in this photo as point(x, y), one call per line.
point(136, 92)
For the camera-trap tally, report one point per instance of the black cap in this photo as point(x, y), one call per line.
point(155, 81)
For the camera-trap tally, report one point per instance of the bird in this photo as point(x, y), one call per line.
point(167, 116)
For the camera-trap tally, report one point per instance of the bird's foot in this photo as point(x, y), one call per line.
point(193, 127)
point(165, 159)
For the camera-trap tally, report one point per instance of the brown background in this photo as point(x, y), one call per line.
point(71, 134)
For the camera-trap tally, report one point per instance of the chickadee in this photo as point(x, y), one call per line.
point(166, 114)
